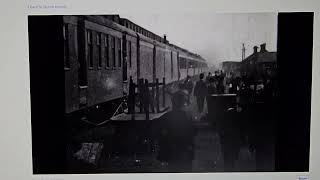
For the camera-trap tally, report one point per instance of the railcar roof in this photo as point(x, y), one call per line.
point(114, 22)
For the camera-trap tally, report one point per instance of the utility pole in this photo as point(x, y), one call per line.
point(243, 52)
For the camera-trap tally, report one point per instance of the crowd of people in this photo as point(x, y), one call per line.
point(248, 89)
point(177, 130)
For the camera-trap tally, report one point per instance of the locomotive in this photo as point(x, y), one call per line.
point(102, 52)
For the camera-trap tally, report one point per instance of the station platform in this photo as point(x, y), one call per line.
point(136, 117)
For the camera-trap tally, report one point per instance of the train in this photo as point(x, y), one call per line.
point(102, 52)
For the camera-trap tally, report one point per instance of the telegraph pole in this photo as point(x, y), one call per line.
point(243, 52)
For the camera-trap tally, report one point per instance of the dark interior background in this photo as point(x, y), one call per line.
point(295, 43)
point(47, 94)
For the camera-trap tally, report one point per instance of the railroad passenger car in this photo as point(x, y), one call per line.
point(102, 52)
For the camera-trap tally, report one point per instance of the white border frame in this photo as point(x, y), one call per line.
point(15, 132)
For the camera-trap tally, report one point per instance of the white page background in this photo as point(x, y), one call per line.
point(15, 124)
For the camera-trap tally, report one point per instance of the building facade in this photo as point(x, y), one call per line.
point(231, 68)
point(260, 64)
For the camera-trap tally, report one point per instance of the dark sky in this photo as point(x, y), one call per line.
point(216, 37)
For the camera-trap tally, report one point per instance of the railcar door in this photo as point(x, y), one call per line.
point(154, 70)
point(124, 64)
point(178, 66)
point(83, 37)
point(138, 56)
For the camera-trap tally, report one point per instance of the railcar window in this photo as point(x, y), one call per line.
point(113, 42)
point(99, 50)
point(106, 50)
point(66, 46)
point(89, 48)
point(182, 63)
point(119, 52)
point(190, 64)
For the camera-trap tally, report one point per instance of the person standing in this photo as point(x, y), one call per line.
point(188, 84)
point(208, 77)
point(200, 92)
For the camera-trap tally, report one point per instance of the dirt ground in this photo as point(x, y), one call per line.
point(129, 147)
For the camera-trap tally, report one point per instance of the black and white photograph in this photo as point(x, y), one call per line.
point(170, 93)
